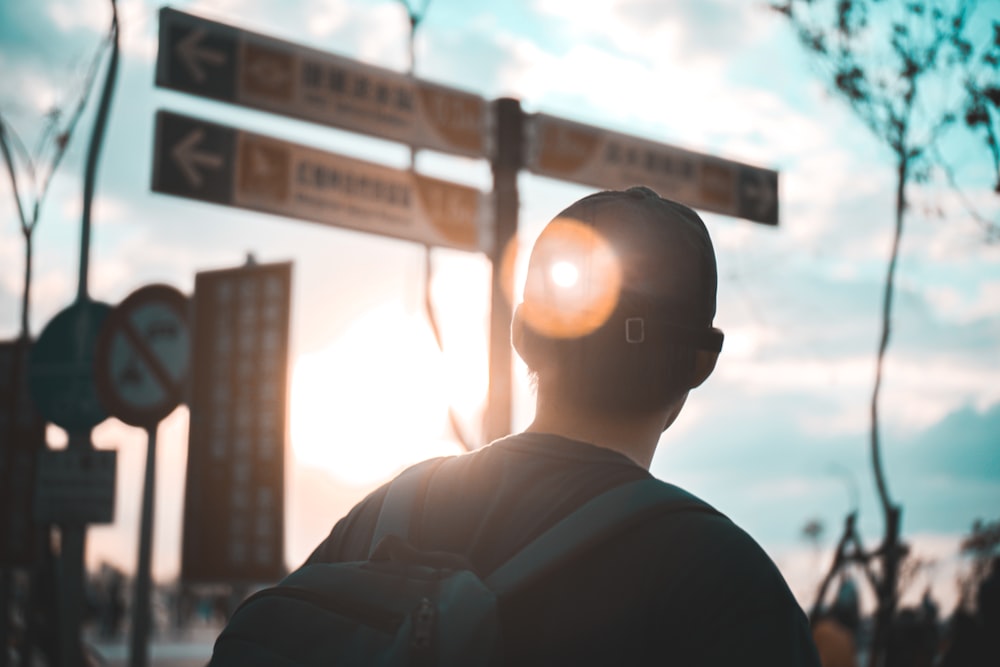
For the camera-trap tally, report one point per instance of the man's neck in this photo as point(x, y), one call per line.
point(635, 436)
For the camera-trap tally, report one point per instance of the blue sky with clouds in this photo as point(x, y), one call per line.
point(776, 437)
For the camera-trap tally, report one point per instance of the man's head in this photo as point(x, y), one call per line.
point(619, 301)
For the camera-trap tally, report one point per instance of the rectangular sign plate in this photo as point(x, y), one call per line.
point(215, 163)
point(589, 155)
point(76, 486)
point(225, 63)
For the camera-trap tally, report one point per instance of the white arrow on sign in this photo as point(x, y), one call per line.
point(193, 54)
point(189, 158)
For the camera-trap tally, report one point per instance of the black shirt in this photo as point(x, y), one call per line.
point(683, 588)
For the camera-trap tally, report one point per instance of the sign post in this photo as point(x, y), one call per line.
point(61, 384)
point(506, 164)
point(142, 360)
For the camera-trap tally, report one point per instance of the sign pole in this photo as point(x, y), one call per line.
point(94, 152)
point(143, 577)
point(72, 542)
point(73, 535)
point(5, 579)
point(506, 163)
point(140, 364)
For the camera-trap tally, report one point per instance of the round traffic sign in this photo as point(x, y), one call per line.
point(61, 368)
point(143, 355)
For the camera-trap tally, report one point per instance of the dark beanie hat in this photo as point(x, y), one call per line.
point(628, 254)
point(621, 288)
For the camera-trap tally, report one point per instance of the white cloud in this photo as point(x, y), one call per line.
point(11, 256)
point(111, 277)
point(105, 209)
point(956, 305)
point(326, 18)
point(36, 95)
point(787, 489)
point(920, 390)
point(68, 15)
point(386, 31)
point(846, 418)
point(51, 291)
point(919, 387)
point(139, 32)
point(797, 373)
point(705, 33)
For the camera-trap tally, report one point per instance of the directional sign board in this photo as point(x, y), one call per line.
point(225, 63)
point(589, 155)
point(219, 164)
point(234, 500)
point(143, 355)
point(76, 485)
point(61, 369)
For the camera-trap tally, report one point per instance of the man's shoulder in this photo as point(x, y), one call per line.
point(702, 544)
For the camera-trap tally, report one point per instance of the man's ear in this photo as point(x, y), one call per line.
point(704, 364)
point(517, 331)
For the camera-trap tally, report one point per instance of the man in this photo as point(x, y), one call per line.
point(616, 328)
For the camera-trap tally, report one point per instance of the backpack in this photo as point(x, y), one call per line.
point(407, 607)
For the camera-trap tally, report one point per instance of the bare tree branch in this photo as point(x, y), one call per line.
point(12, 172)
point(892, 92)
point(54, 138)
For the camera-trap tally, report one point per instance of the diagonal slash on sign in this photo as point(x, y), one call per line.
point(171, 387)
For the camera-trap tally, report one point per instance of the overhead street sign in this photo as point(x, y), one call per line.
point(589, 155)
point(225, 63)
point(143, 356)
point(214, 163)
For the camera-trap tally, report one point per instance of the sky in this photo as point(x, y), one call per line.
point(777, 437)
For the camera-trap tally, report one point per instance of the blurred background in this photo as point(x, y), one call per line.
point(779, 438)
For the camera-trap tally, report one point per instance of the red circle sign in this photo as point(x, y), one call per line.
point(143, 356)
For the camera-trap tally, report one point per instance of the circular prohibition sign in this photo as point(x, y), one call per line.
point(143, 355)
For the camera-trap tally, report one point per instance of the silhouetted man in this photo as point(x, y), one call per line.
point(616, 329)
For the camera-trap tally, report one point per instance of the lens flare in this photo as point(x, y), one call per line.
point(565, 274)
point(573, 282)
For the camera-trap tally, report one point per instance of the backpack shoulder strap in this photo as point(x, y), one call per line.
point(402, 501)
point(590, 524)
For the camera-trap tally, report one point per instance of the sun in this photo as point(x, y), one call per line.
point(374, 401)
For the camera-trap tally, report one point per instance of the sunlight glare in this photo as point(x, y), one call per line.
point(373, 401)
point(562, 299)
point(564, 274)
point(460, 291)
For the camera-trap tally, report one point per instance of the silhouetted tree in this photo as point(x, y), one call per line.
point(39, 166)
point(982, 545)
point(909, 71)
